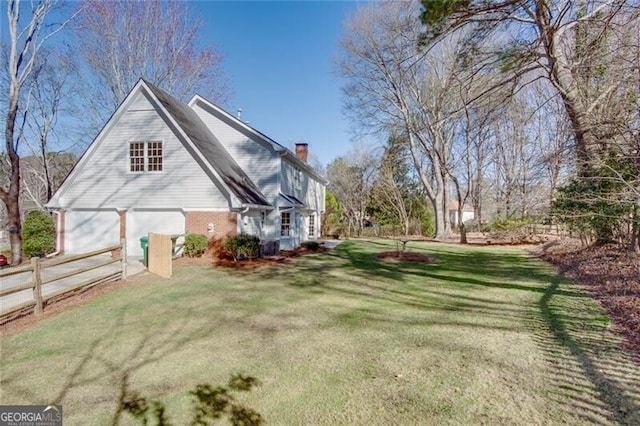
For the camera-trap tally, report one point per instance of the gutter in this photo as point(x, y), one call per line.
point(246, 207)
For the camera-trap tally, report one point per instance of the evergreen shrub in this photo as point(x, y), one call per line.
point(195, 245)
point(38, 234)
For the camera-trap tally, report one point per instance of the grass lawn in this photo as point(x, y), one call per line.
point(484, 336)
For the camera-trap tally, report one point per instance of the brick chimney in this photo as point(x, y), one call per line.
point(302, 151)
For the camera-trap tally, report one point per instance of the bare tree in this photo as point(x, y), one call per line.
point(552, 139)
point(49, 92)
point(394, 189)
point(393, 87)
point(352, 180)
point(473, 152)
point(28, 31)
point(470, 152)
point(36, 183)
point(573, 44)
point(123, 41)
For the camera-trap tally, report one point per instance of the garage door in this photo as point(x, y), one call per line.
point(90, 230)
point(142, 222)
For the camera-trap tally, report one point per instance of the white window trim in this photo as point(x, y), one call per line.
point(145, 151)
point(290, 224)
point(312, 217)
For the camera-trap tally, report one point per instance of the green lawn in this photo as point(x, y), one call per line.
point(483, 336)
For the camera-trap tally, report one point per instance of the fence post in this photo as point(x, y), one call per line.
point(123, 258)
point(37, 285)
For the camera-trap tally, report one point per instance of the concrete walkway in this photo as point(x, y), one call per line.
point(331, 243)
point(134, 266)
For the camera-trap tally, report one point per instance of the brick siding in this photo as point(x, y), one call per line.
point(224, 224)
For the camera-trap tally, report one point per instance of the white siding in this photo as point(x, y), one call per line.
point(250, 223)
point(105, 180)
point(305, 188)
point(257, 160)
point(90, 230)
point(287, 179)
point(139, 103)
point(314, 195)
point(271, 230)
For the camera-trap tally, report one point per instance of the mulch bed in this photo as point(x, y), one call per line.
point(404, 256)
point(612, 275)
point(210, 259)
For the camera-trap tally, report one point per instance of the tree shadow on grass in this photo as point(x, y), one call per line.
point(593, 378)
point(587, 364)
point(109, 364)
point(460, 269)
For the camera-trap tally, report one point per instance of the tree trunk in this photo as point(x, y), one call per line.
point(561, 76)
point(463, 233)
point(443, 225)
point(461, 228)
point(15, 228)
point(634, 245)
point(45, 165)
point(11, 197)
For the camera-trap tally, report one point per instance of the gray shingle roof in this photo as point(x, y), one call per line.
point(211, 149)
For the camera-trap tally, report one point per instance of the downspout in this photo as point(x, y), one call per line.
point(58, 243)
point(240, 227)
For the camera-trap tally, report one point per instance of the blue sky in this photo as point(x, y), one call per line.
point(280, 60)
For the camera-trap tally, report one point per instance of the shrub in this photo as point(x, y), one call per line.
point(243, 246)
point(310, 245)
point(38, 234)
point(230, 247)
point(597, 206)
point(195, 245)
point(516, 228)
point(428, 221)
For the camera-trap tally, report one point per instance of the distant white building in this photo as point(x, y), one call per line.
point(467, 213)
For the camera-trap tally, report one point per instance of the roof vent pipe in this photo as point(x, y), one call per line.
point(239, 113)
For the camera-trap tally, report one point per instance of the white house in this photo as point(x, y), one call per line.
point(159, 165)
point(467, 213)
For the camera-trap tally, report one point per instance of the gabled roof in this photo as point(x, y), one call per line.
point(211, 149)
point(283, 151)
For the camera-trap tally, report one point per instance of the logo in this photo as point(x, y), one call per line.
point(30, 415)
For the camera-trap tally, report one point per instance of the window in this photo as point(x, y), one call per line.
point(285, 224)
point(312, 226)
point(263, 217)
point(154, 156)
point(136, 156)
point(145, 156)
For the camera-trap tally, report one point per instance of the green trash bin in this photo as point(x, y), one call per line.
point(144, 243)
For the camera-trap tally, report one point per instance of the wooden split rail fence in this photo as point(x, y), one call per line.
point(37, 281)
